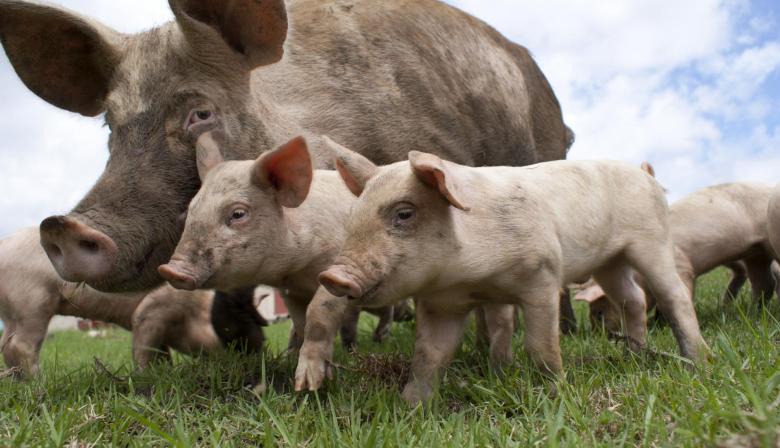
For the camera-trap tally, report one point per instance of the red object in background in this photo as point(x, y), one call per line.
point(279, 307)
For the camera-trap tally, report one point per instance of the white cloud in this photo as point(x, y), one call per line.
point(677, 83)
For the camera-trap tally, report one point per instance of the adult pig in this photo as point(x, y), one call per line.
point(31, 294)
point(419, 229)
point(384, 77)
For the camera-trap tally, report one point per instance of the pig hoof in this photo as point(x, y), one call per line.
point(310, 374)
point(416, 393)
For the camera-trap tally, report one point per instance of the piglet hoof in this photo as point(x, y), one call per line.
point(416, 393)
point(379, 336)
point(313, 368)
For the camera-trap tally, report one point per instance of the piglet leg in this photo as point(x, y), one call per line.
point(439, 335)
point(323, 320)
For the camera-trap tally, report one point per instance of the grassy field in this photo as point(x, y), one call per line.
point(608, 396)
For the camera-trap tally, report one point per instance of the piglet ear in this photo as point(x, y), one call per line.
point(288, 170)
point(590, 294)
point(432, 171)
point(353, 168)
point(647, 168)
point(207, 154)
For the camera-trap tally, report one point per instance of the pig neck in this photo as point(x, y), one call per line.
point(80, 300)
point(314, 231)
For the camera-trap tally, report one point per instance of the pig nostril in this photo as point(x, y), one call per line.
point(53, 249)
point(89, 246)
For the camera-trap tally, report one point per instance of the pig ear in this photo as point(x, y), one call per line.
point(287, 170)
point(254, 29)
point(208, 154)
point(590, 294)
point(63, 58)
point(354, 169)
point(433, 172)
point(647, 168)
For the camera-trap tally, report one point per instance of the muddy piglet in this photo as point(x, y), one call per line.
point(273, 221)
point(456, 237)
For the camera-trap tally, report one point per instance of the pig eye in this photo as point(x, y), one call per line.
point(198, 118)
point(238, 215)
point(403, 216)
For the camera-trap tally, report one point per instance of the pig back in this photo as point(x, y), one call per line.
point(720, 224)
point(388, 77)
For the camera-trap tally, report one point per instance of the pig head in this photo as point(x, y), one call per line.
point(405, 208)
point(236, 228)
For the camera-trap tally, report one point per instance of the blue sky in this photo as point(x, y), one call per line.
point(691, 86)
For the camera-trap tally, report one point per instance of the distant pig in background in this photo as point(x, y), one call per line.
point(456, 237)
point(773, 221)
point(31, 293)
point(272, 221)
point(722, 225)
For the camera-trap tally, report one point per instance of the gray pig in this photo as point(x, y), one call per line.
point(457, 237)
point(381, 76)
point(31, 293)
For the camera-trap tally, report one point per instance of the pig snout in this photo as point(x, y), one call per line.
point(78, 252)
point(340, 283)
point(178, 274)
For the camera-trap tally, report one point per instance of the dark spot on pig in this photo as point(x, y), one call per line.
point(236, 320)
point(316, 332)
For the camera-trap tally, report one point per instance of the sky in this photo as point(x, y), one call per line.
point(692, 86)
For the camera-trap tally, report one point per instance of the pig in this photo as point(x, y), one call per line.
point(381, 76)
point(273, 221)
point(456, 237)
point(722, 225)
point(31, 293)
point(773, 223)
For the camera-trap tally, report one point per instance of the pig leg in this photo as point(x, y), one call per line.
point(759, 270)
point(385, 323)
point(402, 311)
point(349, 327)
point(148, 345)
point(542, 329)
point(323, 318)
point(655, 262)
point(500, 321)
point(482, 338)
point(568, 319)
point(618, 283)
point(296, 305)
point(738, 279)
point(439, 335)
point(776, 275)
point(23, 345)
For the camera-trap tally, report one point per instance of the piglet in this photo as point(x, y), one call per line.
point(31, 293)
point(457, 237)
point(773, 221)
point(722, 225)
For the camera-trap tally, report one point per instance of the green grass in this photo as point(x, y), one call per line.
point(608, 396)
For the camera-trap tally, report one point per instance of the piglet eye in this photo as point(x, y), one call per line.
point(238, 215)
point(403, 216)
point(199, 117)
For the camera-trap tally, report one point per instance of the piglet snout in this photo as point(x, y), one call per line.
point(178, 276)
point(339, 283)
